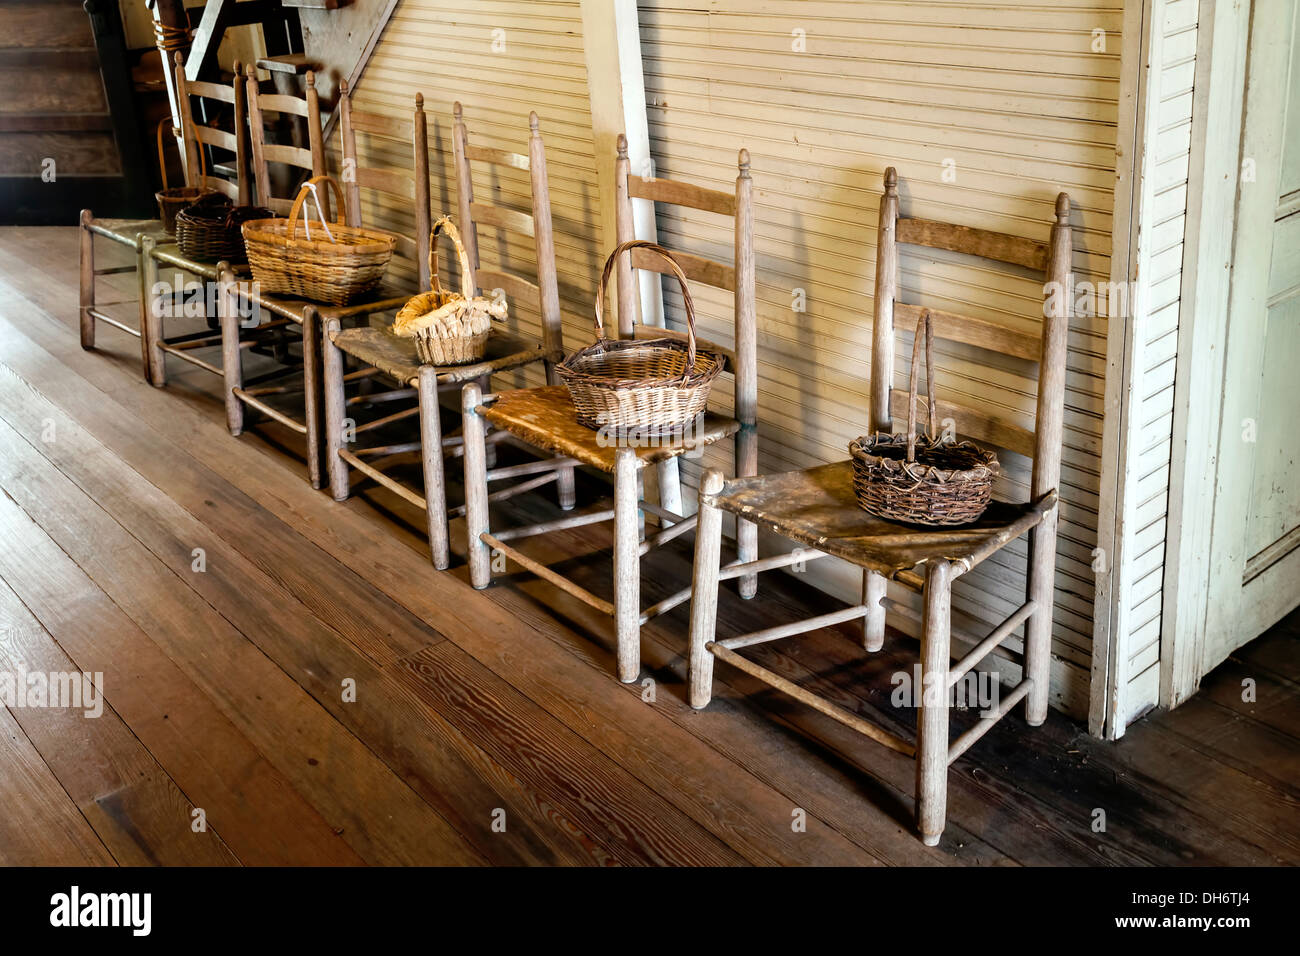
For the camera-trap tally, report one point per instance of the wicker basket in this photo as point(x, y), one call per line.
point(922, 479)
point(171, 200)
point(342, 265)
point(209, 230)
point(449, 328)
point(656, 385)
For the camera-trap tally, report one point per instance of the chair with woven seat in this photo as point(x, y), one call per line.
point(818, 510)
point(545, 418)
point(379, 351)
point(143, 237)
point(405, 186)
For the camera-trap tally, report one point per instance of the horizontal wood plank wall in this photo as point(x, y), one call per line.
point(987, 110)
point(500, 59)
point(1155, 344)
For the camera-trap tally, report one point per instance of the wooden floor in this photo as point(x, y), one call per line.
point(229, 606)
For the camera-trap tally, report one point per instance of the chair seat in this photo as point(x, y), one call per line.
point(171, 255)
point(545, 418)
point(817, 508)
point(396, 356)
point(127, 231)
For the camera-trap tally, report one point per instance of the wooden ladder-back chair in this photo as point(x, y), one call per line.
point(545, 418)
point(818, 510)
point(201, 142)
point(144, 236)
point(405, 185)
point(380, 351)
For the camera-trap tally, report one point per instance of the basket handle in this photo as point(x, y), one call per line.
point(667, 256)
point(446, 226)
point(166, 121)
point(303, 192)
point(923, 331)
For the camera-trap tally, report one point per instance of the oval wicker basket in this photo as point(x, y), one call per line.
point(658, 385)
point(343, 264)
point(922, 479)
point(209, 230)
point(171, 200)
point(460, 335)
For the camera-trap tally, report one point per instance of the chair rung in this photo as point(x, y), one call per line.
point(531, 468)
point(666, 605)
point(265, 409)
point(376, 475)
point(384, 450)
point(778, 682)
point(651, 508)
point(389, 396)
point(957, 634)
point(546, 574)
point(667, 534)
point(737, 570)
point(559, 524)
point(187, 357)
point(795, 627)
point(510, 492)
point(387, 419)
point(985, 647)
point(101, 317)
point(985, 724)
point(114, 270)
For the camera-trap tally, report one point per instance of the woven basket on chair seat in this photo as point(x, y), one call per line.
point(449, 328)
point(209, 230)
point(630, 384)
point(336, 264)
point(922, 479)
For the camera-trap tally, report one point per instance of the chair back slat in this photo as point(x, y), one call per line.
point(974, 242)
point(390, 127)
point(195, 136)
point(697, 268)
point(393, 182)
point(980, 333)
point(1051, 260)
point(545, 293)
point(681, 194)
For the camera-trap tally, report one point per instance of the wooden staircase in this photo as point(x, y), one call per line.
point(67, 99)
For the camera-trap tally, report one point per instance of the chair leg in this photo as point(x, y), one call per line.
point(670, 486)
point(311, 391)
point(476, 488)
point(873, 623)
point(489, 451)
point(151, 314)
point(87, 281)
point(1038, 631)
point(435, 487)
point(932, 742)
point(704, 591)
point(332, 359)
point(627, 566)
point(232, 356)
point(746, 531)
point(564, 489)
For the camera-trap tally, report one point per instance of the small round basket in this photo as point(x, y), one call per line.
point(922, 479)
point(449, 328)
point(209, 230)
point(645, 385)
point(171, 200)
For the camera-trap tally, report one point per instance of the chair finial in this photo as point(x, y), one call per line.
point(1063, 209)
point(419, 101)
point(250, 71)
point(891, 180)
point(311, 80)
point(178, 59)
point(456, 111)
point(743, 162)
point(237, 69)
point(622, 146)
point(343, 86)
point(532, 120)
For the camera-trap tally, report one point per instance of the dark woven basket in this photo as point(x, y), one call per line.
point(922, 479)
point(658, 385)
point(210, 229)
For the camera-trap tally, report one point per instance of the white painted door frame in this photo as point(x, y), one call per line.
point(1189, 610)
